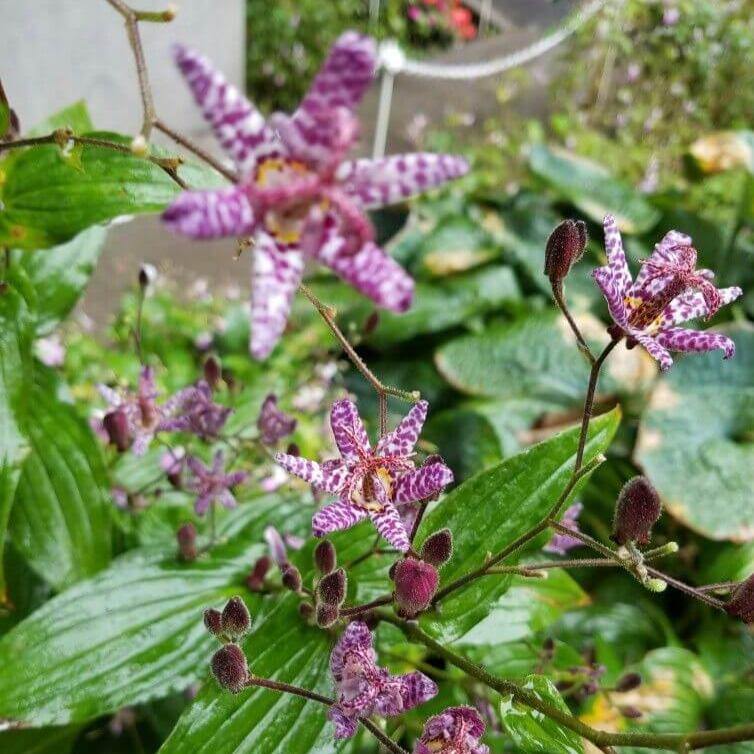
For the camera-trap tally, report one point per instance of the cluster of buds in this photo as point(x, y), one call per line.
point(330, 592)
point(416, 579)
point(229, 664)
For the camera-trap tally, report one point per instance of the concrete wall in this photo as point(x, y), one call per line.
point(53, 52)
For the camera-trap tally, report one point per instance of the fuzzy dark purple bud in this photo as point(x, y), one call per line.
point(186, 538)
point(370, 325)
point(332, 588)
point(212, 372)
point(230, 668)
point(415, 586)
point(741, 602)
point(326, 615)
point(630, 712)
point(255, 580)
point(325, 556)
point(565, 247)
point(628, 682)
point(116, 426)
point(235, 618)
point(638, 508)
point(213, 621)
point(292, 578)
point(438, 548)
point(306, 610)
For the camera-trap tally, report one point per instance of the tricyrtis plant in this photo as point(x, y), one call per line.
point(356, 590)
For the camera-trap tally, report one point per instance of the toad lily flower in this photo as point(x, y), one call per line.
point(455, 731)
point(213, 484)
point(199, 414)
point(297, 195)
point(364, 688)
point(668, 291)
point(370, 482)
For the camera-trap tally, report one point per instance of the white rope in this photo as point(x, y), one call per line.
point(394, 60)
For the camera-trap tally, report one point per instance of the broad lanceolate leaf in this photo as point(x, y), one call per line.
point(132, 633)
point(60, 275)
point(695, 440)
point(61, 520)
point(592, 189)
point(258, 721)
point(492, 509)
point(532, 732)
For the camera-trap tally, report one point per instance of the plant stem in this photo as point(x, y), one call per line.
point(356, 609)
point(557, 293)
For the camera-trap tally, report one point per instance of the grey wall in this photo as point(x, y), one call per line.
point(53, 52)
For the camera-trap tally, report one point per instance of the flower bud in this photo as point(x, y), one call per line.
point(438, 548)
point(325, 556)
point(332, 588)
point(255, 580)
point(212, 371)
point(235, 618)
point(305, 610)
point(631, 712)
point(415, 585)
point(370, 325)
point(292, 578)
point(548, 648)
point(741, 602)
point(656, 585)
point(213, 621)
point(293, 449)
point(139, 146)
point(637, 509)
point(230, 668)
point(565, 247)
point(116, 426)
point(326, 614)
point(147, 275)
point(628, 682)
point(186, 537)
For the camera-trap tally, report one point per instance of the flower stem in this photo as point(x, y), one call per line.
point(557, 293)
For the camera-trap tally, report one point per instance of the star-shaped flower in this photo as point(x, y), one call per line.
point(213, 484)
point(198, 414)
point(668, 291)
point(364, 688)
point(297, 195)
point(370, 482)
point(272, 423)
point(457, 730)
point(144, 416)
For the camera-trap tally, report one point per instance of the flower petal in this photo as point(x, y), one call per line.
point(697, 341)
point(665, 252)
point(334, 474)
point(615, 303)
point(355, 638)
point(655, 350)
point(227, 499)
point(204, 215)
point(348, 431)
point(388, 523)
point(691, 305)
point(422, 483)
point(616, 257)
point(336, 517)
point(401, 441)
point(395, 178)
point(276, 274)
point(309, 471)
point(416, 688)
point(238, 125)
point(345, 727)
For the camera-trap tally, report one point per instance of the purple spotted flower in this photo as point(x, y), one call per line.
point(668, 291)
point(457, 730)
point(297, 195)
point(560, 544)
point(273, 424)
point(198, 414)
point(364, 688)
point(213, 484)
point(370, 483)
point(144, 417)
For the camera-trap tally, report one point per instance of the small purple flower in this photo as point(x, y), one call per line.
point(272, 423)
point(172, 461)
point(50, 350)
point(457, 730)
point(668, 291)
point(297, 195)
point(560, 544)
point(370, 483)
point(278, 544)
point(213, 484)
point(364, 688)
point(145, 417)
point(198, 414)
point(671, 16)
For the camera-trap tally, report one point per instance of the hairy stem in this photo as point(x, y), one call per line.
point(557, 293)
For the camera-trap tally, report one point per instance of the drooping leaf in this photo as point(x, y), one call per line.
point(491, 510)
point(133, 632)
point(592, 189)
point(258, 721)
point(61, 520)
point(695, 440)
point(532, 732)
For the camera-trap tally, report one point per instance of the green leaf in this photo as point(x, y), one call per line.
point(133, 632)
point(61, 274)
point(695, 440)
point(41, 741)
point(75, 116)
point(592, 189)
point(258, 721)
point(61, 520)
point(532, 732)
point(733, 706)
point(503, 502)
